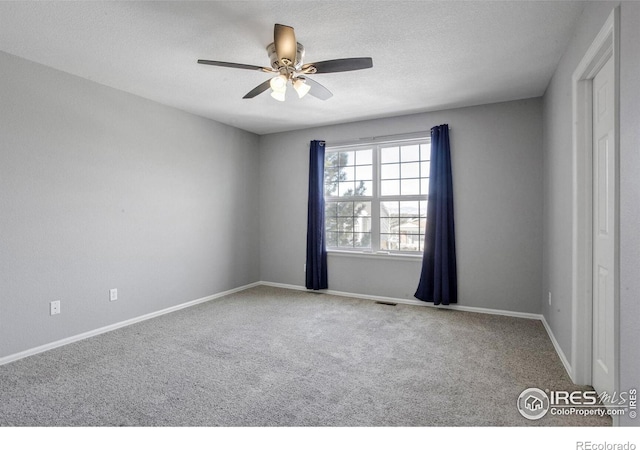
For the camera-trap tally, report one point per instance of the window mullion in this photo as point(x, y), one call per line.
point(375, 203)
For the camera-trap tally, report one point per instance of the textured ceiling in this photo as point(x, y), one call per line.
point(427, 55)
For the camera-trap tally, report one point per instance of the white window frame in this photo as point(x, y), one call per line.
point(376, 198)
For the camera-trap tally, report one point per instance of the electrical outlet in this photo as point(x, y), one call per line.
point(304, 268)
point(549, 298)
point(54, 307)
point(113, 295)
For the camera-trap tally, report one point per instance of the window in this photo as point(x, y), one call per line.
point(376, 196)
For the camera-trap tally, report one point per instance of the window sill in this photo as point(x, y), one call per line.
point(380, 255)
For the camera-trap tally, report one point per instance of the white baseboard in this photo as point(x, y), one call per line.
point(293, 287)
point(561, 355)
point(115, 326)
point(405, 301)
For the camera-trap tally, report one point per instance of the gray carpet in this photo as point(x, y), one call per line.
point(274, 357)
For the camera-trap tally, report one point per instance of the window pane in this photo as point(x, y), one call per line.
point(345, 209)
point(364, 173)
point(410, 153)
point(389, 224)
point(346, 159)
point(330, 189)
point(389, 241)
point(390, 187)
point(389, 171)
point(389, 154)
point(389, 209)
point(345, 224)
point(362, 224)
point(425, 168)
point(346, 188)
point(345, 240)
point(331, 159)
point(331, 224)
point(410, 225)
point(360, 188)
point(425, 152)
point(364, 188)
point(423, 209)
point(411, 187)
point(332, 239)
point(332, 174)
point(330, 209)
point(424, 186)
point(362, 209)
point(410, 170)
point(347, 174)
point(423, 226)
point(363, 240)
point(364, 157)
point(410, 209)
point(385, 225)
point(410, 242)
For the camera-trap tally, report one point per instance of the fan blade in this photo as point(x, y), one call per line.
point(233, 65)
point(259, 89)
point(318, 90)
point(285, 41)
point(338, 65)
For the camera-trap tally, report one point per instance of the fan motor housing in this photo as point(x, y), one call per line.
point(275, 62)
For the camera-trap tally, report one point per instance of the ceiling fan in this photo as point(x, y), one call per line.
point(286, 55)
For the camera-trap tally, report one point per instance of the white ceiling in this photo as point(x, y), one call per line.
point(427, 55)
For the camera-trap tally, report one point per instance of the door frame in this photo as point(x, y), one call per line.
point(606, 45)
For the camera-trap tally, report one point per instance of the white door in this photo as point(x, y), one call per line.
point(604, 230)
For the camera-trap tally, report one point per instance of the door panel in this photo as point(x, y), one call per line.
point(604, 230)
point(602, 193)
point(600, 323)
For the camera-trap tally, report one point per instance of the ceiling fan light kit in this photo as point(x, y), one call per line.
point(301, 87)
point(287, 60)
point(278, 95)
point(278, 83)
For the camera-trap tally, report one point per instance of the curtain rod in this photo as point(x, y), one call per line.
point(372, 139)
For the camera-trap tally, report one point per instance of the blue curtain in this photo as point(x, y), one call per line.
point(316, 273)
point(439, 279)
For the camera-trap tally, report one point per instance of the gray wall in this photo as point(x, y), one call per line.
point(497, 167)
point(630, 199)
point(100, 189)
point(557, 142)
point(557, 148)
